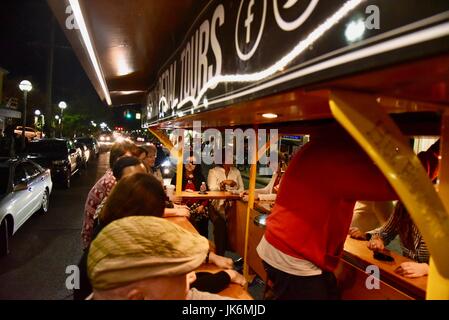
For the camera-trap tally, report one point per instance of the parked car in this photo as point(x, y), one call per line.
point(30, 133)
point(85, 153)
point(92, 144)
point(25, 188)
point(59, 155)
point(106, 139)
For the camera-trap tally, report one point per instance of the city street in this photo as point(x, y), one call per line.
point(45, 245)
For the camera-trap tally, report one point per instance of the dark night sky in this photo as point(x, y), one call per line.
point(24, 39)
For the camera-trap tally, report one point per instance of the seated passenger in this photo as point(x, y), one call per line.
point(101, 189)
point(273, 186)
point(400, 223)
point(192, 179)
point(139, 194)
point(124, 166)
point(224, 177)
point(150, 161)
point(146, 258)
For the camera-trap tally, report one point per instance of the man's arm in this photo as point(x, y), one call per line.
point(212, 181)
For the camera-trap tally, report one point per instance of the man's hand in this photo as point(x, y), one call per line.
point(178, 211)
point(236, 277)
point(177, 200)
point(220, 261)
point(200, 209)
point(356, 233)
point(413, 269)
point(376, 243)
point(230, 183)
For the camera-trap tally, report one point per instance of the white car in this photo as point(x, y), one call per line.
point(25, 188)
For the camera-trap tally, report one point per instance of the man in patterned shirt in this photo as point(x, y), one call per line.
point(101, 190)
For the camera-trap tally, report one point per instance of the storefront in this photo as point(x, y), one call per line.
point(6, 113)
point(377, 68)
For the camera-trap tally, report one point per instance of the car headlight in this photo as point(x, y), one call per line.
point(102, 138)
point(166, 171)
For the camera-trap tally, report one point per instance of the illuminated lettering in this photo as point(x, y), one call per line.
point(218, 17)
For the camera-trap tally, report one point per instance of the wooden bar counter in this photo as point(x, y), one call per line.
point(352, 276)
point(210, 195)
point(351, 272)
point(233, 290)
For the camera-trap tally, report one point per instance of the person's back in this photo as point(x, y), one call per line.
point(369, 215)
point(313, 210)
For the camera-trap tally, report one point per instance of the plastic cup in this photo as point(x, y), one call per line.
point(170, 192)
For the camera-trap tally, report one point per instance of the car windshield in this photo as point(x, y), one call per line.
point(47, 147)
point(4, 178)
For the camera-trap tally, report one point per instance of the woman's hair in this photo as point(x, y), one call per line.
point(139, 150)
point(150, 148)
point(117, 150)
point(198, 176)
point(123, 163)
point(140, 194)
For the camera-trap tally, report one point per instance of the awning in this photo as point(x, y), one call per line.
point(191, 60)
point(9, 113)
point(130, 38)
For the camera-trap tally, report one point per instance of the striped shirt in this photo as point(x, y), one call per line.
point(418, 251)
point(416, 248)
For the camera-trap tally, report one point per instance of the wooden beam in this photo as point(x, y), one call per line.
point(252, 188)
point(377, 134)
point(438, 285)
point(162, 137)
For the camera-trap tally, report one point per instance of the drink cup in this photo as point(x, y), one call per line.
point(170, 192)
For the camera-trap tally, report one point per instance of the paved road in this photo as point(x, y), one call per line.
point(46, 244)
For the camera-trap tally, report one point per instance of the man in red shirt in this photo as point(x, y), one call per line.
point(308, 225)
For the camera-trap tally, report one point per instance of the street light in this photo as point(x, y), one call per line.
point(25, 86)
point(62, 105)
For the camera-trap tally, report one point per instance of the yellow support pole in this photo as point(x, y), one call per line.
point(252, 187)
point(437, 285)
point(162, 137)
point(179, 167)
point(382, 140)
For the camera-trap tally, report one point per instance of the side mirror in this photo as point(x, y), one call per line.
point(20, 187)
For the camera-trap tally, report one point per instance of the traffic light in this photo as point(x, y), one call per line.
point(127, 114)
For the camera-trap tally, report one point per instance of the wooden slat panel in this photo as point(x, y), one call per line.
point(352, 280)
